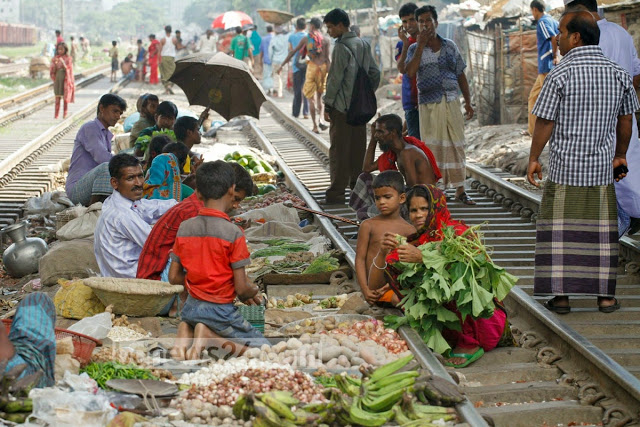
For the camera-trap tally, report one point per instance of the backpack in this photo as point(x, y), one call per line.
point(363, 107)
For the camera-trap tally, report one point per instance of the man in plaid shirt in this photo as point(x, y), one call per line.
point(585, 110)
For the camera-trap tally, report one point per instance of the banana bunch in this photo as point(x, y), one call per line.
point(15, 406)
point(280, 409)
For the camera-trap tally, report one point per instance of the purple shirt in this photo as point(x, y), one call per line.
point(264, 48)
point(91, 147)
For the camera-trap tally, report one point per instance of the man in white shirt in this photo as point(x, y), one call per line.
point(208, 43)
point(126, 219)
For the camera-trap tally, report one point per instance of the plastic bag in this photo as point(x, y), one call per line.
point(47, 204)
point(69, 409)
point(75, 300)
point(97, 326)
point(83, 226)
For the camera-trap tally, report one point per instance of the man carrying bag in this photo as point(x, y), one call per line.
point(348, 101)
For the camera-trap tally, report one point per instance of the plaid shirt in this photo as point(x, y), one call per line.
point(584, 95)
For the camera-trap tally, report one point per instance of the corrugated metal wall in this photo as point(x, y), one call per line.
point(17, 35)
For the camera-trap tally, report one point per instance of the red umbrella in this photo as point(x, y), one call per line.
point(231, 19)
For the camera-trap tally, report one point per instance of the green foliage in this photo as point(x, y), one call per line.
point(322, 264)
point(327, 5)
point(456, 270)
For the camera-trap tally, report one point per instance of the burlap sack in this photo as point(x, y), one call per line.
point(83, 226)
point(68, 260)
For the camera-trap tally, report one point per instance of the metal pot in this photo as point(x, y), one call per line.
point(21, 258)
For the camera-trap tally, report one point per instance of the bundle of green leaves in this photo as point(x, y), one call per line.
point(456, 269)
point(145, 140)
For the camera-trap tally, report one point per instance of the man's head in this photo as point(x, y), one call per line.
point(178, 33)
point(407, 15)
point(269, 29)
point(179, 150)
point(209, 32)
point(113, 43)
point(152, 37)
point(187, 131)
point(167, 29)
point(355, 29)
point(149, 105)
point(110, 108)
point(126, 176)
point(537, 9)
point(215, 181)
point(590, 5)
point(577, 29)
point(166, 115)
point(72, 38)
point(244, 184)
point(238, 30)
point(156, 146)
point(427, 18)
point(388, 190)
point(301, 24)
point(58, 33)
point(337, 22)
point(388, 128)
point(81, 39)
point(315, 24)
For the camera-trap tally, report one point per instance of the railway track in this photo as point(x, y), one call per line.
point(11, 69)
point(566, 371)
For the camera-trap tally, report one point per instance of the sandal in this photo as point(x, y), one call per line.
point(558, 309)
point(469, 358)
point(323, 126)
point(465, 198)
point(610, 308)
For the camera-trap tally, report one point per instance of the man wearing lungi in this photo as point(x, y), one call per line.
point(585, 110)
point(439, 68)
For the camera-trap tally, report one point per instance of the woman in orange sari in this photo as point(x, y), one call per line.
point(154, 59)
point(61, 73)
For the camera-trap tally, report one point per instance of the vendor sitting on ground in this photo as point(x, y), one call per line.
point(407, 154)
point(125, 222)
point(127, 66)
point(429, 214)
point(165, 117)
point(389, 194)
point(187, 130)
point(32, 339)
point(147, 105)
point(94, 187)
point(154, 259)
point(164, 179)
point(209, 257)
point(156, 147)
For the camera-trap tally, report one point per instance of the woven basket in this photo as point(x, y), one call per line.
point(62, 218)
point(133, 297)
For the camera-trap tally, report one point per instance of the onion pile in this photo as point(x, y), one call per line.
point(374, 330)
point(227, 391)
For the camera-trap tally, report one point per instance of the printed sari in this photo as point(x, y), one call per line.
point(59, 63)
point(163, 181)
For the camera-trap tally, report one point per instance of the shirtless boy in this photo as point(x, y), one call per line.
point(388, 188)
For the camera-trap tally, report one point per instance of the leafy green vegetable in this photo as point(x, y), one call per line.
point(456, 272)
point(103, 372)
point(145, 140)
point(322, 264)
point(282, 250)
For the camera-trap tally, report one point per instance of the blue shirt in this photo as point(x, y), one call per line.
point(546, 28)
point(141, 53)
point(438, 73)
point(294, 39)
point(91, 148)
point(264, 48)
point(409, 89)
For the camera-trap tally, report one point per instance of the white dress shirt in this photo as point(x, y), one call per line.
point(122, 230)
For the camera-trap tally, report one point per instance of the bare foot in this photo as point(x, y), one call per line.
point(182, 342)
point(315, 130)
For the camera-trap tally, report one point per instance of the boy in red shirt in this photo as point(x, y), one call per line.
point(209, 257)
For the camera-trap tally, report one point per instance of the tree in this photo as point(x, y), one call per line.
point(342, 4)
point(202, 12)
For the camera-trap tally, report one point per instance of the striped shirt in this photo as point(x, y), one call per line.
point(121, 231)
point(546, 28)
point(584, 95)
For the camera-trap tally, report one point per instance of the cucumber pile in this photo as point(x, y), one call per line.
point(252, 164)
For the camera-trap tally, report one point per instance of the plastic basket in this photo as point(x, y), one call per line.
point(83, 345)
point(253, 314)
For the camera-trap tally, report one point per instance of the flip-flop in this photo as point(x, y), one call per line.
point(610, 308)
point(469, 358)
point(551, 306)
point(465, 198)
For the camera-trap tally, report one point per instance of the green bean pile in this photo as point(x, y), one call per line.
point(103, 372)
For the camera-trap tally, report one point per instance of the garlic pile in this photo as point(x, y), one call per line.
point(217, 371)
point(124, 333)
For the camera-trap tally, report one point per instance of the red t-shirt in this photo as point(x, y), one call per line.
point(210, 247)
point(155, 252)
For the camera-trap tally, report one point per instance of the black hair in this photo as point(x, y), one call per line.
point(418, 191)
point(269, 29)
point(584, 24)
point(139, 41)
point(167, 109)
point(337, 16)
point(167, 29)
point(238, 30)
point(113, 43)
point(58, 32)
point(316, 23)
point(178, 31)
point(64, 45)
point(180, 150)
point(214, 179)
point(158, 143)
point(182, 125)
point(591, 5)
point(152, 36)
point(407, 9)
point(121, 161)
point(301, 24)
point(81, 38)
point(538, 4)
point(391, 122)
point(427, 9)
point(111, 99)
point(148, 97)
point(243, 179)
point(393, 179)
point(72, 38)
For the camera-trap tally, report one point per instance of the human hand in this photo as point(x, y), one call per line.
point(534, 168)
point(196, 161)
point(619, 161)
point(556, 60)
point(423, 37)
point(279, 70)
point(372, 296)
point(326, 117)
point(402, 34)
point(469, 110)
point(409, 253)
point(388, 243)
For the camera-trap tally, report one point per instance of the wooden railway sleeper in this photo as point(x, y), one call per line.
point(548, 356)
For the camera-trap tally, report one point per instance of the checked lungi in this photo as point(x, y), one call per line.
point(576, 241)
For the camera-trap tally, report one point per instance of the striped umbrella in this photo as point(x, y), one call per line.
point(231, 19)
